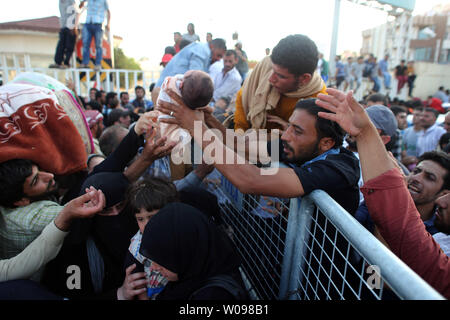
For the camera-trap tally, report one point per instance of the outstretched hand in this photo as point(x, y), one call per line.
point(84, 206)
point(181, 113)
point(156, 148)
point(344, 110)
point(145, 122)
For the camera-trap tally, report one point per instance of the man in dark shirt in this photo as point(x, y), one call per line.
point(312, 148)
point(401, 73)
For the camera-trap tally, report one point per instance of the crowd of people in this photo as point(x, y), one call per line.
point(351, 72)
point(131, 223)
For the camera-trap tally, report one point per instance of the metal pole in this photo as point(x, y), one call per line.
point(334, 38)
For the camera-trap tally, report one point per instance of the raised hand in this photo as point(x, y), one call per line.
point(184, 116)
point(345, 110)
point(84, 206)
point(274, 119)
point(156, 148)
point(146, 122)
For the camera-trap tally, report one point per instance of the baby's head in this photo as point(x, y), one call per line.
point(197, 89)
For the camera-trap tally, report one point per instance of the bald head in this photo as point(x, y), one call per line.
point(447, 122)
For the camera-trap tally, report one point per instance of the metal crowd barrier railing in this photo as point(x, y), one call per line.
point(312, 249)
point(116, 80)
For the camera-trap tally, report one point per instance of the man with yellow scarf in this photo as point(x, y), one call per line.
point(269, 94)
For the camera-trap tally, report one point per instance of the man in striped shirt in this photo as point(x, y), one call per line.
point(429, 137)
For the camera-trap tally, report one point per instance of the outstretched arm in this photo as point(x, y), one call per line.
point(352, 117)
point(248, 178)
point(47, 245)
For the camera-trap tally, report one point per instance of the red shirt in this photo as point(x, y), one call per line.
point(393, 211)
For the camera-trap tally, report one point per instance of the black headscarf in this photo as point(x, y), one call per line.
point(183, 240)
point(203, 200)
point(113, 184)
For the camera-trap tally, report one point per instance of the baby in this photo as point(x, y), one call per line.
point(195, 89)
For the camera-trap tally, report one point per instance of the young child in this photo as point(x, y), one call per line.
point(195, 88)
point(145, 198)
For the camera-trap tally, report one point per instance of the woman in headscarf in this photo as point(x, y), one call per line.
point(188, 249)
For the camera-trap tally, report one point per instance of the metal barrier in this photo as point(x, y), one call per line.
point(116, 80)
point(312, 249)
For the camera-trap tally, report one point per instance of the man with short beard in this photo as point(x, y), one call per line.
point(27, 204)
point(226, 78)
point(429, 137)
point(427, 182)
point(312, 149)
point(267, 98)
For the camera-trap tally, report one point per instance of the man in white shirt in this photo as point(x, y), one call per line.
point(429, 137)
point(226, 78)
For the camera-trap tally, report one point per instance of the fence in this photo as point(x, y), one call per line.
point(312, 249)
point(116, 80)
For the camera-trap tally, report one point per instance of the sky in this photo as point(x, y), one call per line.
point(147, 26)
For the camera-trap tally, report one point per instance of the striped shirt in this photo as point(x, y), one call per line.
point(20, 226)
point(429, 139)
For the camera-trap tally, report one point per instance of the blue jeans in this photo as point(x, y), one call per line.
point(387, 79)
point(92, 30)
point(376, 84)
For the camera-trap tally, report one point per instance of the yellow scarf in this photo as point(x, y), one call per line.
point(258, 95)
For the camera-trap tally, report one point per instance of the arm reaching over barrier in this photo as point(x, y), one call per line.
point(387, 197)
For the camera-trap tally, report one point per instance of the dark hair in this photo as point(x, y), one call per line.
point(197, 90)
point(115, 115)
point(376, 97)
point(95, 106)
point(177, 33)
point(441, 88)
point(297, 53)
point(219, 43)
point(169, 50)
point(93, 156)
point(13, 174)
point(109, 140)
point(152, 86)
point(443, 160)
point(184, 42)
point(95, 89)
point(231, 52)
point(398, 109)
point(109, 97)
point(443, 141)
point(82, 100)
point(226, 99)
point(123, 93)
point(139, 87)
point(98, 94)
point(434, 111)
point(150, 193)
point(324, 127)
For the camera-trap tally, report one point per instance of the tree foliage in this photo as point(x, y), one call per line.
point(121, 61)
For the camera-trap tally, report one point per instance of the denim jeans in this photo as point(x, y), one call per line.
point(387, 79)
point(92, 30)
point(376, 84)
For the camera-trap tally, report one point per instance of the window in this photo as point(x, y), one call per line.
point(422, 54)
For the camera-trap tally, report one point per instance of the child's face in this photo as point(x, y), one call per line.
point(143, 217)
